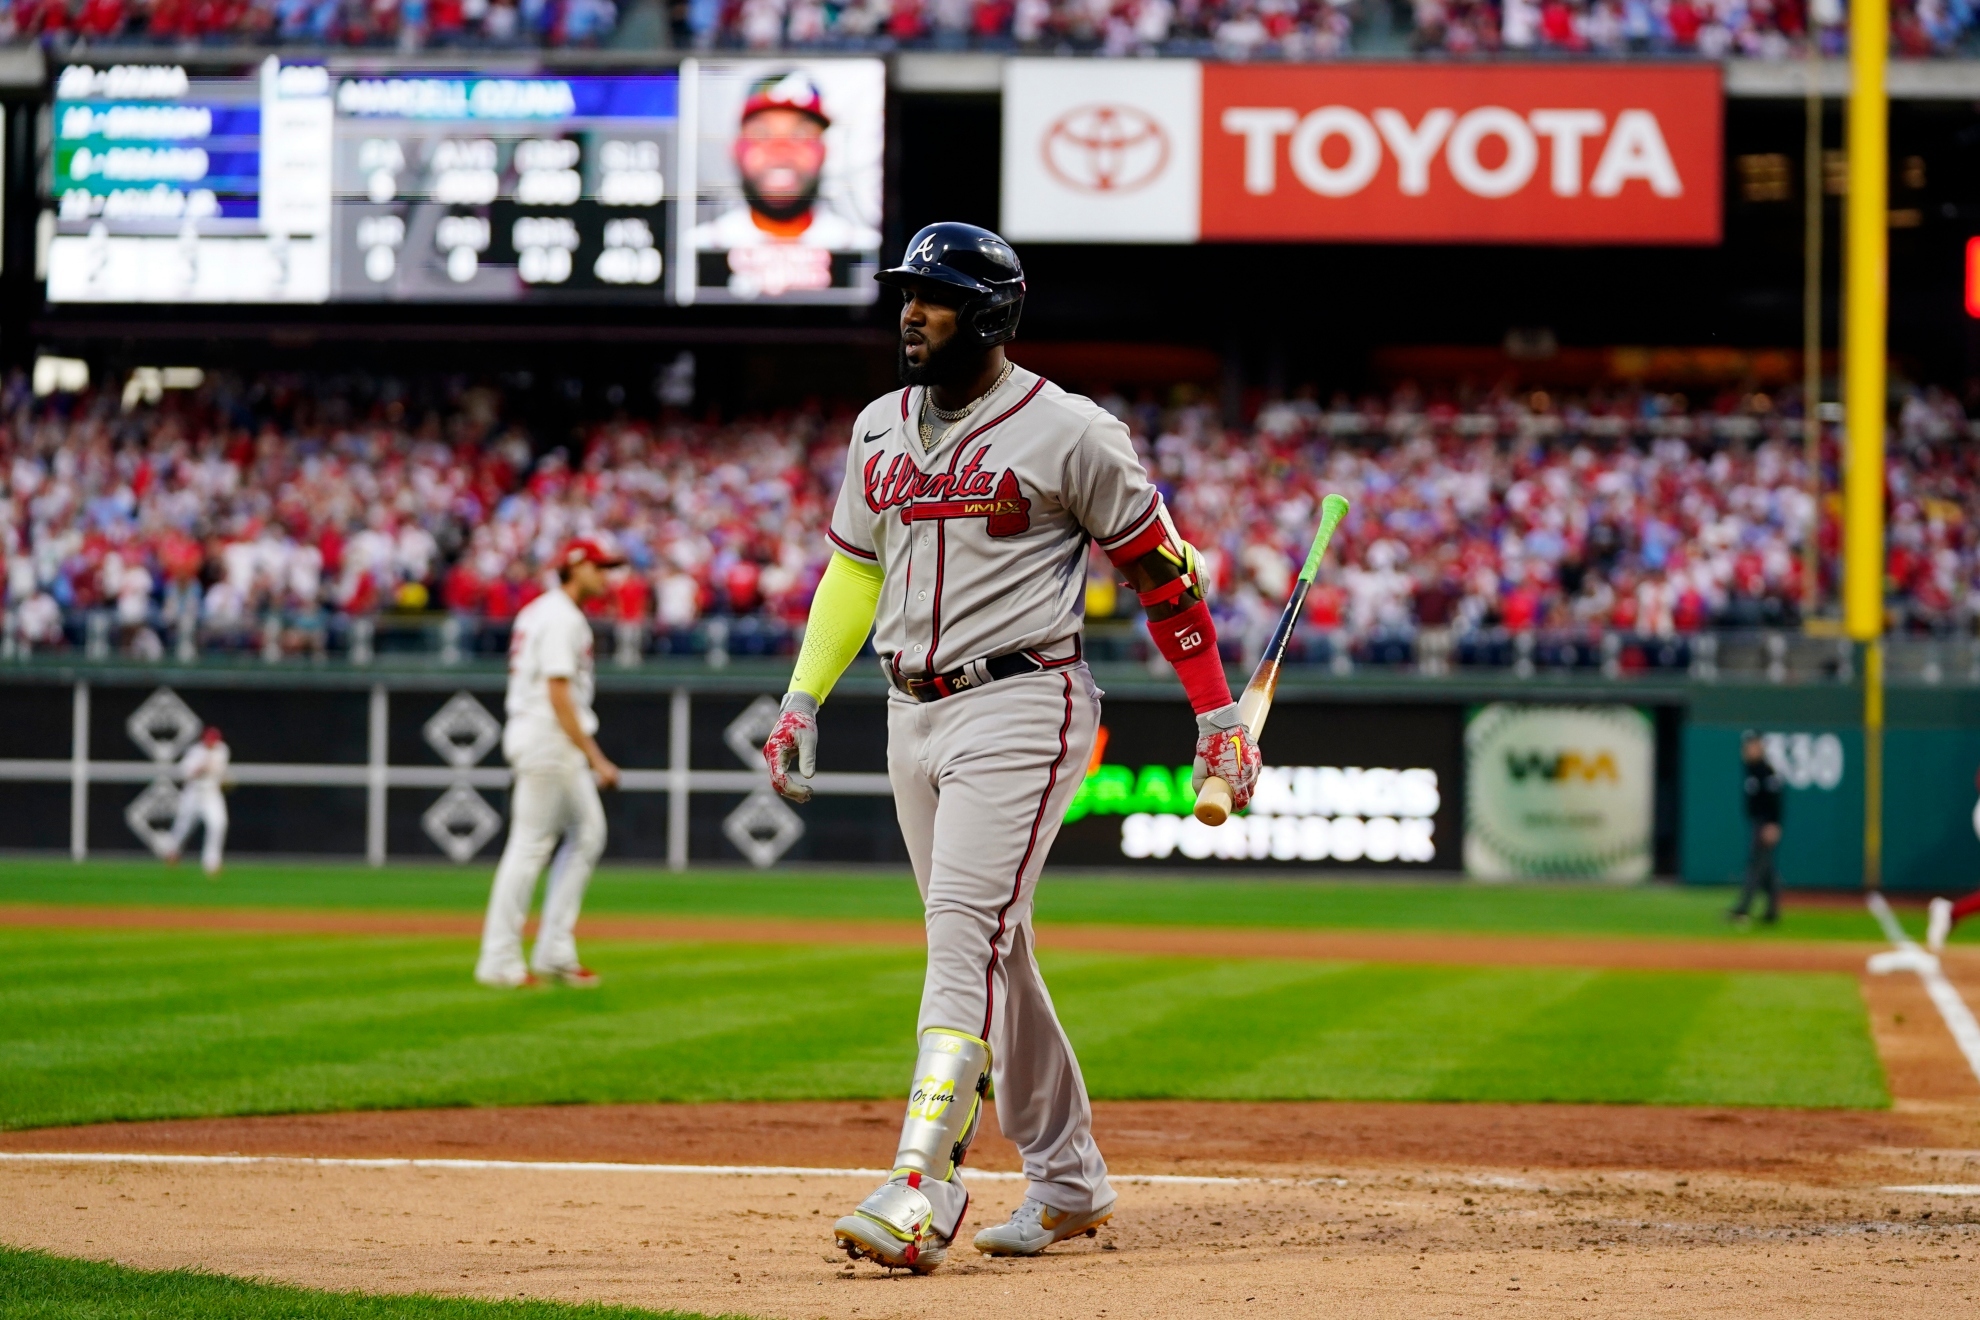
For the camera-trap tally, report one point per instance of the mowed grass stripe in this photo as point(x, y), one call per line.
point(268, 1024)
point(881, 894)
point(239, 1024)
point(37, 1286)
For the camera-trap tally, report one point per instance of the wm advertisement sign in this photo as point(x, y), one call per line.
point(1559, 791)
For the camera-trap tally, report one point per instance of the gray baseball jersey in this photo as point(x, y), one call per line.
point(983, 538)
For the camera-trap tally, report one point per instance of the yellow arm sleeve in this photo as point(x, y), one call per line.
point(842, 613)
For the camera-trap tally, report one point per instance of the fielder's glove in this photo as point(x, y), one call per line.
point(1224, 748)
point(794, 741)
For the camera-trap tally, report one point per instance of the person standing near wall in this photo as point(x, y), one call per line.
point(1764, 788)
point(202, 772)
point(559, 769)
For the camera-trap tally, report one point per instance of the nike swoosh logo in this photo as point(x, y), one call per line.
point(1051, 1219)
point(869, 439)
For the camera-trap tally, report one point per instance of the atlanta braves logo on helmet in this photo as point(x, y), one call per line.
point(924, 250)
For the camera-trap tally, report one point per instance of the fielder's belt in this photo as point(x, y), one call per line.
point(975, 674)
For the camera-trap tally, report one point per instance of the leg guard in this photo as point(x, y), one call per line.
point(950, 1076)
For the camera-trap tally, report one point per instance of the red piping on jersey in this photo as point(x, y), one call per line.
point(848, 546)
point(1002, 416)
point(941, 528)
point(904, 398)
point(1108, 542)
point(1017, 881)
point(935, 614)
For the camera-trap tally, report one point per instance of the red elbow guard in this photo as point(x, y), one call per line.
point(1189, 642)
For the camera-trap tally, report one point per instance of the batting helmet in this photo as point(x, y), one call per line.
point(974, 263)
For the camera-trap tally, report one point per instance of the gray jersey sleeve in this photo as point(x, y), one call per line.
point(851, 529)
point(1106, 487)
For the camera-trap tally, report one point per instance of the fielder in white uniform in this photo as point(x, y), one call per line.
point(962, 531)
point(202, 771)
point(558, 771)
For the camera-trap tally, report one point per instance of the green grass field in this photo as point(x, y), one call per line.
point(1646, 910)
point(102, 1024)
point(35, 1286)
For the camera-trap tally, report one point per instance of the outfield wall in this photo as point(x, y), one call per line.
point(1371, 773)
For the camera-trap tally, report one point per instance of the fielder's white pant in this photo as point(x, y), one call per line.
point(203, 804)
point(553, 801)
point(981, 784)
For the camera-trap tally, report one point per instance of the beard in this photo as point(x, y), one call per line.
point(948, 363)
point(779, 208)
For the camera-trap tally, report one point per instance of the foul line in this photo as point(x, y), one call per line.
point(1908, 956)
point(567, 1166)
point(1938, 1189)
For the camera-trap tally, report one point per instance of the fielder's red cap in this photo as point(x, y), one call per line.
point(583, 550)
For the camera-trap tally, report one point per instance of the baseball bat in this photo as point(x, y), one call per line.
point(1213, 802)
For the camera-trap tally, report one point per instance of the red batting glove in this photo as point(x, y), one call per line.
point(1224, 748)
point(794, 742)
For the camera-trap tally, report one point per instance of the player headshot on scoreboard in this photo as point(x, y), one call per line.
point(781, 235)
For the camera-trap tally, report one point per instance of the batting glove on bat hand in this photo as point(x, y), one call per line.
point(794, 740)
point(1224, 748)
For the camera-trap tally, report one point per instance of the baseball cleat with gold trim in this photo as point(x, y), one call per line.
point(1035, 1226)
point(894, 1228)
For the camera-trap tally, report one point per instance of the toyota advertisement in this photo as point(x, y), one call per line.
point(1182, 151)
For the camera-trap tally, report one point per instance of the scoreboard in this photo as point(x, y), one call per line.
point(300, 183)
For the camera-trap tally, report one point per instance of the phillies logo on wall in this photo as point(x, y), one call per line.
point(1105, 148)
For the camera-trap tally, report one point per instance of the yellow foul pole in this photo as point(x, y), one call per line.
point(1866, 239)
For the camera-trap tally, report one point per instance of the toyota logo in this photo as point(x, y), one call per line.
point(1106, 148)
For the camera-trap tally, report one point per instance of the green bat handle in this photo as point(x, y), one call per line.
point(1332, 510)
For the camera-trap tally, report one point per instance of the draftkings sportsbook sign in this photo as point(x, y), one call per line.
point(1344, 787)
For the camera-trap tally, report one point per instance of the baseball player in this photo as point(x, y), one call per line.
point(558, 772)
point(202, 771)
point(961, 533)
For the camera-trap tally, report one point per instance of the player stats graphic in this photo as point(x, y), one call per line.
point(504, 188)
point(787, 187)
point(173, 188)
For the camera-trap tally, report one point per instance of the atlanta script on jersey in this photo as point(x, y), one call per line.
point(983, 539)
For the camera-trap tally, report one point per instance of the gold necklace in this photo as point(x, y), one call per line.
point(952, 420)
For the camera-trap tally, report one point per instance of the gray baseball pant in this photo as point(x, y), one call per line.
point(981, 783)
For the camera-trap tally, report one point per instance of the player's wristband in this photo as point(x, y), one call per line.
point(1188, 641)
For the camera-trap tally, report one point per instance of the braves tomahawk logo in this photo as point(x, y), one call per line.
point(974, 492)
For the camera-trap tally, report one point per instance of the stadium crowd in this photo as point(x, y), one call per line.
point(488, 23)
point(1232, 29)
point(1320, 29)
point(304, 501)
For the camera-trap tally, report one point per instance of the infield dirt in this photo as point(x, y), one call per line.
point(1358, 1237)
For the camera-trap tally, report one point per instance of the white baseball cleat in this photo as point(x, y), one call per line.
point(1035, 1226)
point(894, 1228)
point(1938, 923)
